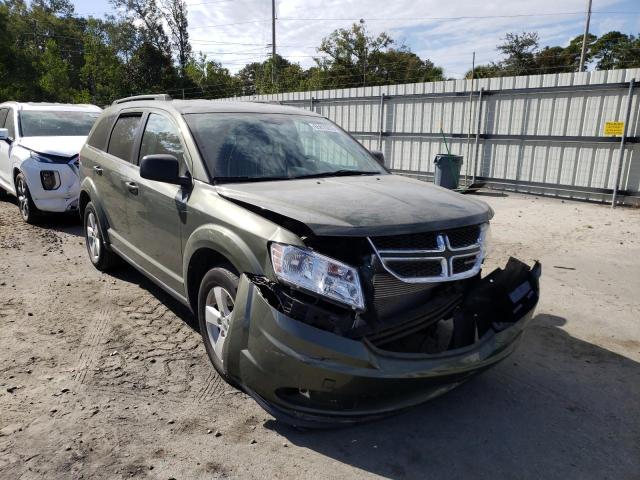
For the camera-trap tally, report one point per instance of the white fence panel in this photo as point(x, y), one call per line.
point(538, 133)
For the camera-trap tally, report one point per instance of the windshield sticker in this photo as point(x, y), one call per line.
point(324, 127)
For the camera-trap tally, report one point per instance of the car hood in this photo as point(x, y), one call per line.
point(61, 146)
point(362, 205)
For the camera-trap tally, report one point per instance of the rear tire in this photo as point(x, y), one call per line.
point(28, 209)
point(101, 257)
point(216, 299)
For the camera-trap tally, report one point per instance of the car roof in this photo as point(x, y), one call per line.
point(215, 106)
point(66, 107)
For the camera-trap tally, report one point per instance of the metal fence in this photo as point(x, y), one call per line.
point(540, 134)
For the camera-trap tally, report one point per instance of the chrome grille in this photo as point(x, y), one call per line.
point(431, 257)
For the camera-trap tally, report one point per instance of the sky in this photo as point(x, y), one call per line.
point(236, 32)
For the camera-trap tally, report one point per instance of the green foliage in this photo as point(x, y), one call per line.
point(520, 51)
point(616, 50)
point(50, 54)
point(523, 55)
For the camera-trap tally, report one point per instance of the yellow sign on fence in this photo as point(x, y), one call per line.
point(613, 129)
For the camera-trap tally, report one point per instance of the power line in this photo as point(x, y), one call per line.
point(230, 24)
point(461, 17)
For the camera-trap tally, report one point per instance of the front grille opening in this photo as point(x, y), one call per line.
point(464, 237)
point(412, 241)
point(416, 269)
point(463, 264)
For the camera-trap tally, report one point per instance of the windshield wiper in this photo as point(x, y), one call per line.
point(338, 173)
point(247, 179)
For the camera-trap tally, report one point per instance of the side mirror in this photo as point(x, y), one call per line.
point(4, 134)
point(379, 156)
point(163, 168)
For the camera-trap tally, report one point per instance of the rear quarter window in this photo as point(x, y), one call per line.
point(100, 133)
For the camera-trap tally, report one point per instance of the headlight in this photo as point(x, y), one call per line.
point(318, 274)
point(50, 179)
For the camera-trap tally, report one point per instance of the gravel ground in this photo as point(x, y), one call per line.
point(104, 376)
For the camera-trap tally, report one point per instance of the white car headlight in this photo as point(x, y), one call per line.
point(318, 274)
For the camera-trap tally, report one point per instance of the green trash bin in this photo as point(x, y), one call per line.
point(447, 170)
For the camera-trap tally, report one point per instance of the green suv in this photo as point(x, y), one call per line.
point(329, 289)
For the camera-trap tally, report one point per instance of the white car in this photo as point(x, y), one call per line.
point(39, 147)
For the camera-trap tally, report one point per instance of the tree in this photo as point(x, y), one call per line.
point(401, 66)
point(355, 58)
point(54, 78)
point(176, 17)
point(103, 73)
point(151, 70)
point(150, 67)
point(486, 71)
point(520, 51)
point(616, 50)
point(211, 78)
point(347, 53)
point(151, 17)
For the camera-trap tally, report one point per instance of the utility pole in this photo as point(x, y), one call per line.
point(468, 157)
point(584, 38)
point(364, 60)
point(273, 42)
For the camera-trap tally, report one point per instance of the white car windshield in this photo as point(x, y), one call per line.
point(259, 147)
point(56, 123)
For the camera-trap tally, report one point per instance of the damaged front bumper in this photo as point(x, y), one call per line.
point(310, 377)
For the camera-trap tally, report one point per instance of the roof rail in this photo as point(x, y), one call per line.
point(137, 98)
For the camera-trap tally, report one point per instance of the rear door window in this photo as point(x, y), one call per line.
point(123, 137)
point(3, 116)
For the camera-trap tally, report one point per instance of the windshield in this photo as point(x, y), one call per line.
point(56, 123)
point(260, 147)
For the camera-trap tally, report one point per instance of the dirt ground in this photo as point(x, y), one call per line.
point(104, 376)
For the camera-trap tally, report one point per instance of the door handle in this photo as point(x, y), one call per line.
point(132, 187)
point(98, 170)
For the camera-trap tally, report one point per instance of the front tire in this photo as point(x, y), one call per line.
point(216, 299)
point(28, 209)
point(101, 257)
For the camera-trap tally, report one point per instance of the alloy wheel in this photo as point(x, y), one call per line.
point(218, 311)
point(23, 197)
point(93, 237)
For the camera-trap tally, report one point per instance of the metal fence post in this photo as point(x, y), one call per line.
point(381, 121)
point(479, 126)
point(311, 103)
point(623, 140)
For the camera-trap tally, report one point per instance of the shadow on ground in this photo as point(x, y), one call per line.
point(559, 407)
